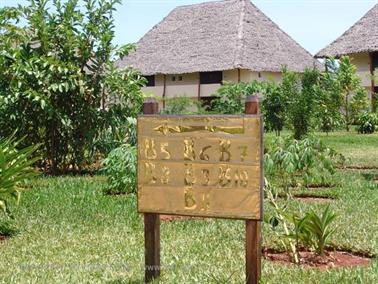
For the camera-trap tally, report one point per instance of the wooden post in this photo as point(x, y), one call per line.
point(238, 75)
point(151, 222)
point(253, 227)
point(199, 87)
point(164, 89)
point(373, 101)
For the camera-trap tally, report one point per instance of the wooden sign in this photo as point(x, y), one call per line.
point(210, 166)
point(206, 166)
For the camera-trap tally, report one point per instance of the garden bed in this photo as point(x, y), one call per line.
point(314, 199)
point(332, 258)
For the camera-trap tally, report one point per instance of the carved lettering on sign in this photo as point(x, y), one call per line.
point(200, 166)
point(150, 173)
point(164, 150)
point(149, 149)
point(189, 153)
point(224, 148)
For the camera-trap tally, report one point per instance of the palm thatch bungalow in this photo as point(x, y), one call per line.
point(360, 43)
point(197, 47)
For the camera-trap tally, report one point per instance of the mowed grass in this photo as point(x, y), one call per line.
point(360, 150)
point(70, 232)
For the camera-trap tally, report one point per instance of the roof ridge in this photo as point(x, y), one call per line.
point(240, 36)
point(318, 54)
point(205, 3)
point(282, 30)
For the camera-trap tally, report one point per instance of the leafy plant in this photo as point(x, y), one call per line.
point(15, 168)
point(350, 84)
point(367, 123)
point(182, 105)
point(328, 100)
point(7, 229)
point(288, 160)
point(120, 166)
point(274, 107)
point(301, 93)
point(320, 228)
point(59, 83)
point(230, 97)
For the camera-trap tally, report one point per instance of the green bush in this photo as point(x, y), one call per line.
point(289, 162)
point(274, 107)
point(230, 98)
point(59, 84)
point(15, 168)
point(182, 105)
point(367, 123)
point(120, 166)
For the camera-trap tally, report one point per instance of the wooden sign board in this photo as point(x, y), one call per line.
point(209, 166)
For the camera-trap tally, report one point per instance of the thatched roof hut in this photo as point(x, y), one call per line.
point(221, 35)
point(362, 37)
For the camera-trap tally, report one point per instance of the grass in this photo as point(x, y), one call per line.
point(70, 232)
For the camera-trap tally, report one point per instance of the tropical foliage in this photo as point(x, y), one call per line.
point(367, 123)
point(120, 168)
point(15, 168)
point(59, 81)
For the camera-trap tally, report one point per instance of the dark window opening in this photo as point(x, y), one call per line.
point(150, 81)
point(173, 78)
point(375, 60)
point(376, 90)
point(215, 77)
point(180, 78)
point(207, 102)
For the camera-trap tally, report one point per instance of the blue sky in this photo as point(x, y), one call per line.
point(312, 23)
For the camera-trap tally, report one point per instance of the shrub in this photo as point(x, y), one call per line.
point(182, 105)
point(230, 98)
point(58, 77)
point(274, 107)
point(320, 229)
point(120, 166)
point(289, 160)
point(328, 101)
point(301, 93)
point(367, 123)
point(15, 168)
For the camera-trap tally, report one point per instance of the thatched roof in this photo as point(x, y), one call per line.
point(216, 36)
point(361, 37)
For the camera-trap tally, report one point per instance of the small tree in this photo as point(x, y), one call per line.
point(301, 93)
point(58, 75)
point(328, 100)
point(230, 97)
point(274, 108)
point(349, 84)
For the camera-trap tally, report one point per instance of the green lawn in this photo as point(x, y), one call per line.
point(69, 232)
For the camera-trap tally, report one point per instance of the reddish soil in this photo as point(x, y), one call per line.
point(169, 218)
point(332, 259)
point(320, 185)
point(3, 238)
point(358, 168)
point(313, 199)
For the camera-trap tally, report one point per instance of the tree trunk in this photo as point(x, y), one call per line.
point(347, 111)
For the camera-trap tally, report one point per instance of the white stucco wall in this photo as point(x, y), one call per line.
point(189, 84)
point(362, 62)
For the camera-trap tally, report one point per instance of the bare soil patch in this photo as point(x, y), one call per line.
point(332, 259)
point(358, 168)
point(314, 199)
point(3, 238)
point(320, 185)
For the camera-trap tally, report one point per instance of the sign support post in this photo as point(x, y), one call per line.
point(233, 167)
point(253, 227)
point(151, 222)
